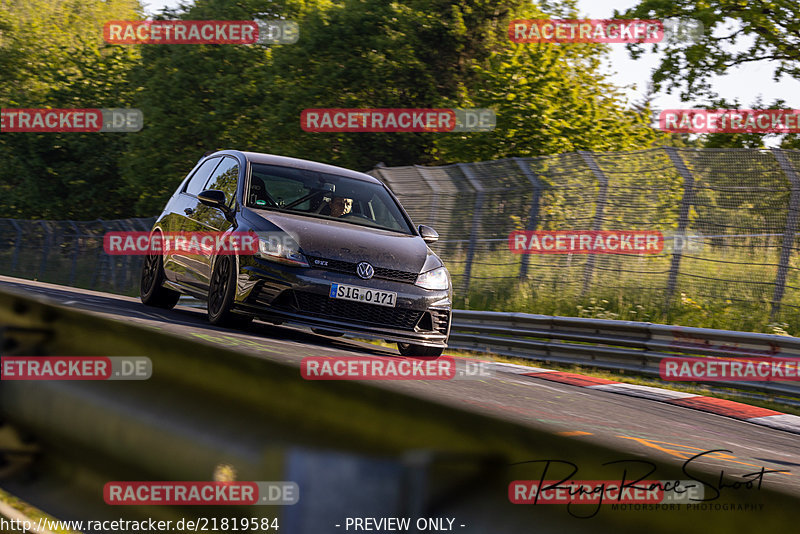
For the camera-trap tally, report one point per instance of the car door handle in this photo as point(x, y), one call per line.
point(188, 211)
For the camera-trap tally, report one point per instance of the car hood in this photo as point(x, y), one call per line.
point(335, 240)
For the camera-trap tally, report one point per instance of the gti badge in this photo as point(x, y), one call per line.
point(365, 270)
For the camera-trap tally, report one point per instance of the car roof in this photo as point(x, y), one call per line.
point(271, 159)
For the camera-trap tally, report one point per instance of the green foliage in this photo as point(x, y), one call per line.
point(736, 33)
point(697, 303)
point(549, 98)
point(199, 98)
point(371, 53)
point(769, 29)
point(52, 55)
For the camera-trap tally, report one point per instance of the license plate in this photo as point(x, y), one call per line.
point(362, 294)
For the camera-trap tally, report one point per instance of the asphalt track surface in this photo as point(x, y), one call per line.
point(636, 427)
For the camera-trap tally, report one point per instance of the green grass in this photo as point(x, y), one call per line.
point(554, 286)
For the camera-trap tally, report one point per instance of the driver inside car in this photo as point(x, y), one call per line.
point(341, 206)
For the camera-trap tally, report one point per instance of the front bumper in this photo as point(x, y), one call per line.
point(300, 296)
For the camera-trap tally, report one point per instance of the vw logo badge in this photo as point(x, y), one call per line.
point(365, 270)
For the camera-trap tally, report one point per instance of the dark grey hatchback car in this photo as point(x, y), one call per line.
point(335, 251)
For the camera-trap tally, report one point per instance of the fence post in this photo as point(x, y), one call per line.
point(789, 230)
point(48, 243)
point(98, 276)
point(533, 212)
point(75, 251)
point(683, 219)
point(600, 207)
point(476, 223)
point(431, 183)
point(17, 244)
point(124, 282)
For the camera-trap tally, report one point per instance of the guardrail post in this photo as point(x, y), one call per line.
point(683, 219)
point(789, 230)
point(431, 183)
point(476, 223)
point(533, 213)
point(600, 206)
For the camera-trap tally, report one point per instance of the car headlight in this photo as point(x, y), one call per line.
point(434, 279)
point(283, 251)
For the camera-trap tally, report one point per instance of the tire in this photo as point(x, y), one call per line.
point(408, 349)
point(151, 289)
point(221, 293)
point(329, 333)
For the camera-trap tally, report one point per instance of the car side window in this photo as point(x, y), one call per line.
point(200, 177)
point(225, 178)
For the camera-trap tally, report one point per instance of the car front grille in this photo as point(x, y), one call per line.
point(325, 307)
point(350, 268)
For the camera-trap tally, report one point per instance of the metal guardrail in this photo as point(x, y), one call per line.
point(351, 446)
point(612, 345)
point(372, 449)
point(616, 345)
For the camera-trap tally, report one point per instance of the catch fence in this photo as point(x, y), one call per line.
point(735, 209)
point(70, 253)
point(739, 206)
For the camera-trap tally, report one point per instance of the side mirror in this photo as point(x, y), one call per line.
point(212, 198)
point(216, 199)
point(428, 234)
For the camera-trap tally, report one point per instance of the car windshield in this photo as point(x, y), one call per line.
point(324, 195)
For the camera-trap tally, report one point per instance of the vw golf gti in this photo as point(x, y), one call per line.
point(335, 251)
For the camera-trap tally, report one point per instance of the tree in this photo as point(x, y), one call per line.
point(197, 98)
point(736, 32)
point(449, 54)
point(52, 55)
